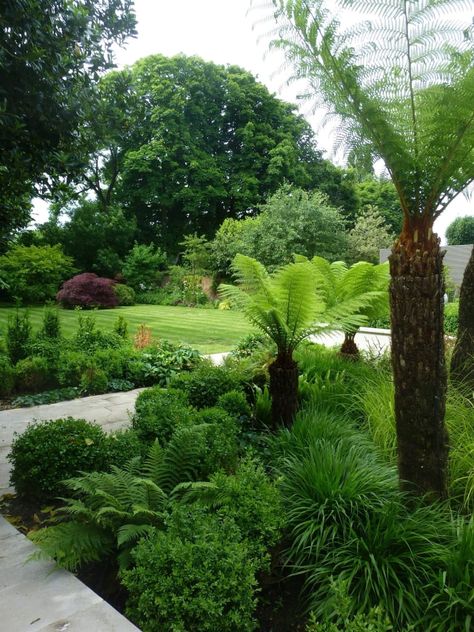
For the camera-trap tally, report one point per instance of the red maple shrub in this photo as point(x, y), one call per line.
point(88, 290)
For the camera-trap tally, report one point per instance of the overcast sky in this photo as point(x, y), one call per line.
point(226, 32)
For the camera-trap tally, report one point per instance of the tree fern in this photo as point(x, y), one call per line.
point(289, 306)
point(398, 76)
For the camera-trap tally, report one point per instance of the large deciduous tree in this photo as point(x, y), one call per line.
point(189, 143)
point(51, 53)
point(401, 80)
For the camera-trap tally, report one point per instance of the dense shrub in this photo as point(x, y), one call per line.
point(122, 446)
point(48, 348)
point(71, 366)
point(94, 381)
point(50, 451)
point(142, 266)
point(18, 336)
point(206, 384)
point(451, 318)
point(221, 449)
point(121, 327)
point(125, 294)
point(7, 377)
point(89, 339)
point(253, 501)
point(34, 273)
point(51, 328)
point(235, 403)
point(87, 290)
point(112, 361)
point(196, 575)
point(33, 374)
point(158, 412)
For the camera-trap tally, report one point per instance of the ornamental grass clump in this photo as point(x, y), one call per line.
point(348, 521)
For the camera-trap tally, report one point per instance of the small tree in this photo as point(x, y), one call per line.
point(196, 258)
point(368, 236)
point(34, 274)
point(399, 77)
point(287, 308)
point(363, 288)
point(88, 291)
point(142, 266)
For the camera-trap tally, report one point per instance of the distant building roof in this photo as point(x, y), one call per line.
point(455, 259)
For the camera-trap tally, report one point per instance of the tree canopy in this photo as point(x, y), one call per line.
point(461, 231)
point(292, 221)
point(183, 144)
point(51, 53)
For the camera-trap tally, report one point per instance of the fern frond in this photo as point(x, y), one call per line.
point(399, 76)
point(130, 533)
point(71, 544)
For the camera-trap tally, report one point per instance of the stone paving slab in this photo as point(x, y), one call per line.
point(37, 596)
point(111, 411)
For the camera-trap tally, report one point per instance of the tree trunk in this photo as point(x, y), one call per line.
point(417, 311)
point(349, 348)
point(462, 362)
point(283, 389)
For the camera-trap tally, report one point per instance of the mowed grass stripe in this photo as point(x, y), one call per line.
point(208, 330)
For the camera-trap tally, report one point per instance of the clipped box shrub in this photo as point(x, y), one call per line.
point(94, 381)
point(196, 575)
point(7, 377)
point(125, 294)
point(122, 446)
point(206, 384)
point(159, 412)
point(220, 434)
point(88, 291)
point(235, 403)
point(71, 366)
point(48, 452)
point(112, 361)
point(33, 374)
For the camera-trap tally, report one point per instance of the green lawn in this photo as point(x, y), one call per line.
point(208, 330)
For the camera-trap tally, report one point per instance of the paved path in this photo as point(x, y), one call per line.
point(112, 411)
point(38, 597)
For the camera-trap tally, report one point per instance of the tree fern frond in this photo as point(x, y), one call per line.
point(398, 74)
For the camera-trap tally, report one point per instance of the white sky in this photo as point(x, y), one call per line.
point(222, 31)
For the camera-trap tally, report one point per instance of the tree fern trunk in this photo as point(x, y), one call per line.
point(349, 348)
point(462, 362)
point(283, 389)
point(417, 311)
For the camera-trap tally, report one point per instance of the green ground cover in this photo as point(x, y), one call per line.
point(207, 330)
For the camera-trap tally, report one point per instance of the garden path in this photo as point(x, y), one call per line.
point(111, 411)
